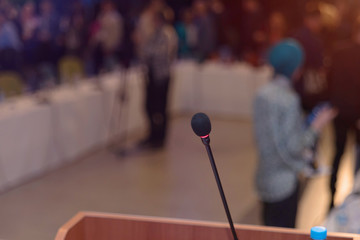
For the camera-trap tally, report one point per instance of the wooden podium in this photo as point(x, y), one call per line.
point(103, 226)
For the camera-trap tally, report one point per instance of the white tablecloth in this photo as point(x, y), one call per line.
point(35, 138)
point(217, 88)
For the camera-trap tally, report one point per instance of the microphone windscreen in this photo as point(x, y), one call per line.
point(201, 124)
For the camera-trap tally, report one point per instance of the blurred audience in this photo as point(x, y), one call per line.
point(40, 34)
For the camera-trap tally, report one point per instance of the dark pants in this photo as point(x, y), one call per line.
point(47, 61)
point(103, 60)
point(156, 103)
point(341, 131)
point(99, 59)
point(282, 213)
point(10, 60)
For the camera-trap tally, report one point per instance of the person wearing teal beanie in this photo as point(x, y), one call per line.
point(282, 136)
point(286, 57)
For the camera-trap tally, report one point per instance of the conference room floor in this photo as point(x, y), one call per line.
point(175, 182)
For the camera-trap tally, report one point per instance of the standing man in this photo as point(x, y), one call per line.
point(282, 137)
point(344, 89)
point(158, 54)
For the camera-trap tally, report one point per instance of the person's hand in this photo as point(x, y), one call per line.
point(323, 117)
point(308, 171)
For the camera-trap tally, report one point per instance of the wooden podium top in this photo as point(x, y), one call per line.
point(104, 226)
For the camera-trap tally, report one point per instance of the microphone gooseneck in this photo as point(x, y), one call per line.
point(201, 125)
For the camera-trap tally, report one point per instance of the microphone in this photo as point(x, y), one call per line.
point(201, 126)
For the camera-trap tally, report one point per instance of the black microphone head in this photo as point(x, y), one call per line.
point(201, 124)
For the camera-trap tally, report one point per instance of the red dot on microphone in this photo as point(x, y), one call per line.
point(205, 136)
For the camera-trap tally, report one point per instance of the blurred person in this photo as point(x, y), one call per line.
point(77, 6)
point(108, 36)
point(276, 31)
point(277, 28)
point(92, 29)
point(48, 26)
point(9, 9)
point(344, 29)
point(169, 14)
point(228, 22)
point(187, 34)
point(4, 4)
point(221, 21)
point(251, 30)
point(292, 10)
point(334, 27)
point(76, 36)
point(206, 29)
point(29, 23)
point(227, 39)
point(89, 3)
point(73, 41)
point(312, 84)
point(127, 52)
point(47, 36)
point(344, 88)
point(344, 14)
point(281, 136)
point(10, 45)
point(159, 54)
point(13, 13)
point(146, 24)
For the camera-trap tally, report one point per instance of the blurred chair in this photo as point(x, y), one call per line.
point(11, 84)
point(70, 69)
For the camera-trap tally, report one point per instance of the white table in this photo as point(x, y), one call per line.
point(217, 88)
point(35, 138)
